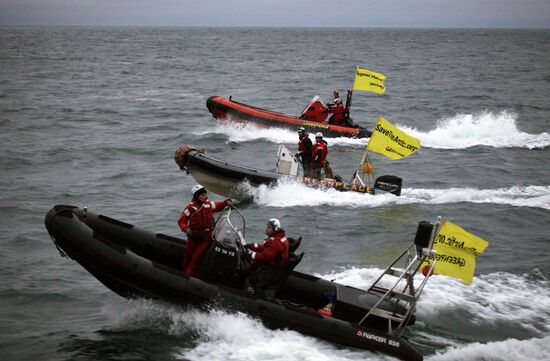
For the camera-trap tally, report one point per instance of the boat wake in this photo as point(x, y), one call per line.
point(511, 349)
point(458, 132)
point(241, 133)
point(494, 302)
point(490, 299)
point(277, 196)
point(488, 129)
point(218, 334)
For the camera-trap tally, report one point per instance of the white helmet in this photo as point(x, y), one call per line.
point(301, 130)
point(196, 188)
point(318, 135)
point(275, 224)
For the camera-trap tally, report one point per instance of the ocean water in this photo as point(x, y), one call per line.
point(92, 117)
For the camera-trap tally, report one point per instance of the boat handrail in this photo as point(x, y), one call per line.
point(408, 294)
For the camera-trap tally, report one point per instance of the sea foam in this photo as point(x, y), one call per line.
point(277, 196)
point(498, 130)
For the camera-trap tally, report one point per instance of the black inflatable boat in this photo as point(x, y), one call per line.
point(136, 263)
point(228, 179)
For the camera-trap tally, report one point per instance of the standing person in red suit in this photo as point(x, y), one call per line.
point(304, 149)
point(338, 113)
point(268, 260)
point(336, 96)
point(318, 156)
point(197, 221)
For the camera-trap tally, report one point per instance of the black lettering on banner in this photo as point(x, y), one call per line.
point(401, 142)
point(368, 75)
point(451, 241)
point(376, 85)
point(457, 261)
point(391, 150)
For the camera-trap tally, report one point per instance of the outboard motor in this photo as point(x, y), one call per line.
point(423, 235)
point(315, 111)
point(389, 183)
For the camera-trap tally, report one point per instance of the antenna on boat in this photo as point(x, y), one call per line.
point(348, 104)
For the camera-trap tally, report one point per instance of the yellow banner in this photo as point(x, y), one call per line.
point(391, 141)
point(367, 80)
point(457, 251)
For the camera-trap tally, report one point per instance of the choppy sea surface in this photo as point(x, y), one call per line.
point(92, 117)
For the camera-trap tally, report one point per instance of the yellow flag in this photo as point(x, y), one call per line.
point(457, 251)
point(391, 141)
point(367, 80)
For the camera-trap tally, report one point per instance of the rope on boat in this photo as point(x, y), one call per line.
point(181, 154)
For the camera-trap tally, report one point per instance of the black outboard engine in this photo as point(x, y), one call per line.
point(423, 235)
point(389, 183)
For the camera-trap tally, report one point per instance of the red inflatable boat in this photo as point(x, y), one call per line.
point(313, 118)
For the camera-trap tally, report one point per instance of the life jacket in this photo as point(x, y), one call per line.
point(304, 147)
point(199, 217)
point(338, 114)
point(274, 251)
point(319, 152)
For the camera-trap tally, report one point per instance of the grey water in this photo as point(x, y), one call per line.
point(92, 117)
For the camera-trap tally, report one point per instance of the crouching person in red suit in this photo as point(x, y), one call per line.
point(268, 261)
point(197, 221)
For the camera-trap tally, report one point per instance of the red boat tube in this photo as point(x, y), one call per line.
point(312, 119)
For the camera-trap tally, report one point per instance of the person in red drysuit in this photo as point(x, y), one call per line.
point(319, 154)
point(338, 113)
point(197, 221)
point(268, 260)
point(304, 149)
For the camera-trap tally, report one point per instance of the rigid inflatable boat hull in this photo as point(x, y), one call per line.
point(115, 253)
point(230, 180)
point(226, 109)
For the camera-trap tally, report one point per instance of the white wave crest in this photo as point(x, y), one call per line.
point(227, 335)
point(461, 131)
point(491, 299)
point(302, 195)
point(240, 337)
point(246, 132)
point(489, 129)
point(511, 349)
